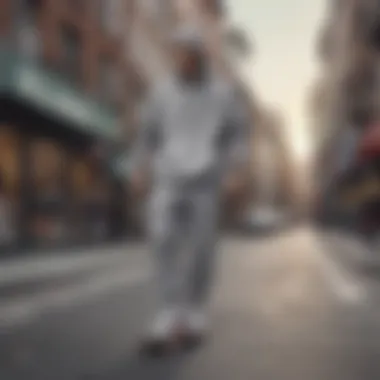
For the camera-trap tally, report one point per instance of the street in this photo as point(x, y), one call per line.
point(301, 305)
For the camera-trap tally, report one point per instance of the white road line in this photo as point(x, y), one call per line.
point(23, 311)
point(343, 283)
point(46, 267)
point(355, 247)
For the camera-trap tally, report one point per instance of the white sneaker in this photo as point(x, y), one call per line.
point(164, 324)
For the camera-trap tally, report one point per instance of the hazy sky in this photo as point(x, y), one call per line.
point(284, 32)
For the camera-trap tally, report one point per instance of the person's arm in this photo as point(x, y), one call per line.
point(347, 152)
point(236, 145)
point(237, 134)
point(149, 120)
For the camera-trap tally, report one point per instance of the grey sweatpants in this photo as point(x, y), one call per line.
point(183, 230)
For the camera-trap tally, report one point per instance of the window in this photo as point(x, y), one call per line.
point(215, 7)
point(374, 34)
point(78, 5)
point(48, 210)
point(159, 10)
point(109, 81)
point(111, 14)
point(71, 52)
point(146, 55)
point(27, 15)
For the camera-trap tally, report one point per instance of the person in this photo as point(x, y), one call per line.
point(194, 134)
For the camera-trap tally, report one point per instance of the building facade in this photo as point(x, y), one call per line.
point(347, 92)
point(63, 83)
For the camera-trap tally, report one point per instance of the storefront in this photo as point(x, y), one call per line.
point(10, 180)
point(60, 193)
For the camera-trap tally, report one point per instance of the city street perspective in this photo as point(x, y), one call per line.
point(301, 304)
point(239, 138)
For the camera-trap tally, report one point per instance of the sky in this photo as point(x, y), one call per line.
point(284, 34)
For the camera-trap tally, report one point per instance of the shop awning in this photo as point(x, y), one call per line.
point(29, 82)
point(120, 165)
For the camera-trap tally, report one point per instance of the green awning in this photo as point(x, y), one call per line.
point(50, 93)
point(120, 165)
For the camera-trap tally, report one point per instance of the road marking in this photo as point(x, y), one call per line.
point(354, 246)
point(39, 268)
point(24, 311)
point(343, 282)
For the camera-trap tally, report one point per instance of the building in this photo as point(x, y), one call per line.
point(347, 91)
point(63, 83)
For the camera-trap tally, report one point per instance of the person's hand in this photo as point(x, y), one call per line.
point(139, 183)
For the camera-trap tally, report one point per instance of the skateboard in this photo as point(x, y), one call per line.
point(181, 341)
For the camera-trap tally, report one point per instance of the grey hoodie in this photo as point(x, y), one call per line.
point(192, 131)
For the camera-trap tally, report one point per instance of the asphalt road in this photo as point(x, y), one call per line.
point(301, 305)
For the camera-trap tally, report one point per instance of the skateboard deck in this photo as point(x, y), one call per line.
point(178, 343)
